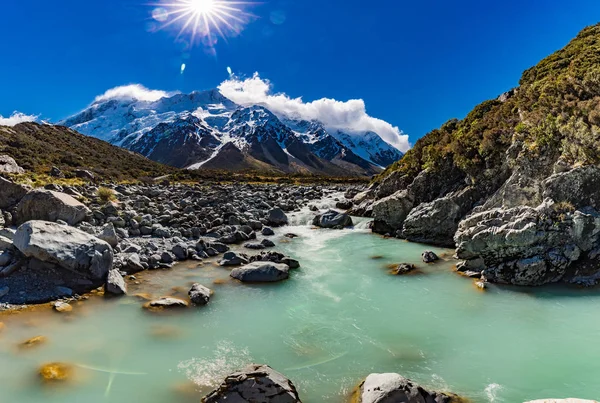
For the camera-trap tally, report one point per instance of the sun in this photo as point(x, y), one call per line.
point(203, 19)
point(203, 6)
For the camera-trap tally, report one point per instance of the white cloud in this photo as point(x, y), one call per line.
point(133, 91)
point(349, 115)
point(16, 118)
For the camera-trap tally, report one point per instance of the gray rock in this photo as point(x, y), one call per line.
point(266, 231)
point(11, 193)
point(82, 173)
point(65, 246)
point(403, 268)
point(429, 256)
point(390, 212)
point(199, 294)
point(394, 388)
point(233, 259)
point(9, 165)
point(276, 217)
point(56, 173)
point(115, 284)
point(166, 303)
point(132, 264)
point(50, 206)
point(332, 219)
point(261, 272)
point(180, 251)
point(109, 235)
point(256, 383)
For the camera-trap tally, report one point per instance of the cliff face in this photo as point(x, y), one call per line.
point(520, 151)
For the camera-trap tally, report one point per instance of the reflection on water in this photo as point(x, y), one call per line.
point(338, 318)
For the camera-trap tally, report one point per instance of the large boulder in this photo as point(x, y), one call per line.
point(65, 246)
point(261, 272)
point(394, 388)
point(10, 193)
point(579, 186)
point(532, 246)
point(436, 222)
point(332, 219)
point(47, 205)
point(276, 217)
point(9, 166)
point(255, 383)
point(390, 212)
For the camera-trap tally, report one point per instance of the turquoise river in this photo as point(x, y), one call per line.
point(338, 318)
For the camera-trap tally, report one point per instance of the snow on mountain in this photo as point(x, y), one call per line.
point(191, 130)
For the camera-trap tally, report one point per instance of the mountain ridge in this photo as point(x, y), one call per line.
point(190, 130)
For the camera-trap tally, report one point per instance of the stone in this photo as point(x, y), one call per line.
point(403, 268)
point(56, 173)
point(9, 166)
point(55, 372)
point(180, 251)
point(344, 205)
point(260, 272)
point(115, 283)
point(11, 193)
point(390, 212)
point(33, 342)
point(65, 246)
point(109, 235)
point(394, 388)
point(199, 294)
point(132, 264)
point(166, 303)
point(332, 219)
point(569, 400)
point(429, 256)
point(47, 205)
point(62, 307)
point(4, 291)
point(266, 231)
point(276, 217)
point(255, 383)
point(84, 174)
point(233, 259)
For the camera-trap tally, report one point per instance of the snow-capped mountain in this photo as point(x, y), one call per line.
point(207, 130)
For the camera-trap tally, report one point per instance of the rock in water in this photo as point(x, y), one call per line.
point(10, 193)
point(55, 372)
point(277, 217)
point(65, 246)
point(332, 219)
point(166, 303)
point(261, 272)
point(256, 383)
point(393, 388)
point(9, 165)
point(569, 400)
point(115, 284)
point(62, 307)
point(199, 294)
point(47, 205)
point(429, 256)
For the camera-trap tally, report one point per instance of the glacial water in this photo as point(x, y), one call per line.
point(338, 318)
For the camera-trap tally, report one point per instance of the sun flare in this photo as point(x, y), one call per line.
point(203, 19)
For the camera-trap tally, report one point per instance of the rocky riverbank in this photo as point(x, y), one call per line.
point(60, 242)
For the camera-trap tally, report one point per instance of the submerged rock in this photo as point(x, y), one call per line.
point(403, 268)
point(261, 272)
point(33, 342)
point(47, 205)
point(255, 383)
point(394, 388)
point(332, 219)
point(55, 372)
point(65, 246)
point(62, 307)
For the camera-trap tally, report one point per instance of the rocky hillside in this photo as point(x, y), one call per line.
point(514, 185)
point(38, 148)
point(205, 130)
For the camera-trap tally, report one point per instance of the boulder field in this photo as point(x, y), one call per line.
point(59, 242)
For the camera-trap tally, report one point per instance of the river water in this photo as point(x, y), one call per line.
point(338, 318)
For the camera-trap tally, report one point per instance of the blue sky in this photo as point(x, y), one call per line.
point(416, 64)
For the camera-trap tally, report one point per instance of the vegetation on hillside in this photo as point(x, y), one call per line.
point(554, 111)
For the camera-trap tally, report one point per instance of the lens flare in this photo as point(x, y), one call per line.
point(203, 20)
